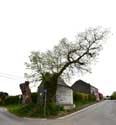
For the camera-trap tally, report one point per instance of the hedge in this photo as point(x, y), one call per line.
point(34, 97)
point(12, 100)
point(83, 97)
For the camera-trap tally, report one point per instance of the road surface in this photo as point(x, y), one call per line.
point(103, 113)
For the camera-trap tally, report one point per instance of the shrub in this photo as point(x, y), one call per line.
point(82, 97)
point(53, 109)
point(91, 98)
point(49, 81)
point(77, 96)
point(12, 100)
point(113, 96)
point(35, 110)
point(34, 97)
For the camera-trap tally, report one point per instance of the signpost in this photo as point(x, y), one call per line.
point(45, 97)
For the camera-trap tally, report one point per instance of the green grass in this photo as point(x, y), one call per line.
point(80, 105)
point(52, 111)
point(83, 104)
point(30, 110)
point(34, 110)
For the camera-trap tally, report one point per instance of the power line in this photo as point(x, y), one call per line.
point(10, 76)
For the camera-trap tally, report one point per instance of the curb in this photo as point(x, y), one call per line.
point(79, 111)
point(42, 119)
point(59, 118)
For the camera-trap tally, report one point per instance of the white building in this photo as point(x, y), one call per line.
point(64, 94)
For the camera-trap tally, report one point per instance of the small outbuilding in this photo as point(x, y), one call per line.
point(64, 95)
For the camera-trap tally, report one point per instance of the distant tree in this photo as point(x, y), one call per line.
point(67, 57)
point(113, 96)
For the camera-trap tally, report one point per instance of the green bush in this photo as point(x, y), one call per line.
point(113, 96)
point(12, 100)
point(77, 97)
point(49, 81)
point(25, 110)
point(91, 98)
point(34, 97)
point(53, 109)
point(35, 110)
point(82, 97)
point(22, 110)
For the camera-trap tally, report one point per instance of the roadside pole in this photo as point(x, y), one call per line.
point(19, 99)
point(45, 93)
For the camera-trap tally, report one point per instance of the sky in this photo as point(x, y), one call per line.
point(27, 25)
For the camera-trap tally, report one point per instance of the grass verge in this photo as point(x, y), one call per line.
point(52, 111)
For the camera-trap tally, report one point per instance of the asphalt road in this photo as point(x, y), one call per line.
point(103, 113)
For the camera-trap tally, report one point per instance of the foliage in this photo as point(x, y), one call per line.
point(113, 96)
point(52, 110)
point(21, 110)
point(67, 57)
point(91, 97)
point(34, 110)
point(12, 100)
point(49, 82)
point(82, 97)
point(34, 97)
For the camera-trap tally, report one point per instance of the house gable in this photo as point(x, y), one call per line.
point(64, 94)
point(81, 86)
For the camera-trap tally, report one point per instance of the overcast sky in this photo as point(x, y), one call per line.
point(27, 25)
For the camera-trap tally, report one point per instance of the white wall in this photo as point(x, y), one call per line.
point(64, 95)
